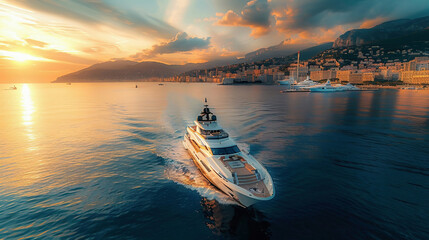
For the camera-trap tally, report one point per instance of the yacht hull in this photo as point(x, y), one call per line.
point(230, 189)
point(284, 82)
point(326, 90)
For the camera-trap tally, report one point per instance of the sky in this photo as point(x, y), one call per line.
point(41, 40)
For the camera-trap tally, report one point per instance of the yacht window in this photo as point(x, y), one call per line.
point(210, 132)
point(225, 151)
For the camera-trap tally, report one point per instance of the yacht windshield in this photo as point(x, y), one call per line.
point(226, 150)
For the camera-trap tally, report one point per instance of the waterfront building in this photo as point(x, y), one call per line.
point(322, 75)
point(415, 77)
point(343, 75)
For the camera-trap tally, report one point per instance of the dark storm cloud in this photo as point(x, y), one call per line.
point(180, 43)
point(307, 14)
point(97, 12)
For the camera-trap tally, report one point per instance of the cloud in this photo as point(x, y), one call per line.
point(180, 43)
point(35, 43)
point(40, 52)
point(324, 20)
point(297, 16)
point(372, 22)
point(97, 12)
point(176, 11)
point(256, 15)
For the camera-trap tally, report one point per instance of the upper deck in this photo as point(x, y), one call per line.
point(210, 134)
point(207, 125)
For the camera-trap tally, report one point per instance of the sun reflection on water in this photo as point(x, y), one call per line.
point(27, 106)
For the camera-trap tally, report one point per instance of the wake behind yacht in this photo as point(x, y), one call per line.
point(224, 164)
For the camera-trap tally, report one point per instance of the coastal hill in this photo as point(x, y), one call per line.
point(279, 50)
point(305, 54)
point(124, 70)
point(121, 70)
point(399, 49)
point(386, 30)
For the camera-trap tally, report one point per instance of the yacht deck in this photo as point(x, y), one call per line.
point(245, 175)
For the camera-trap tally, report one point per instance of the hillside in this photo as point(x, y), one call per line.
point(399, 49)
point(280, 50)
point(305, 54)
point(386, 30)
point(121, 71)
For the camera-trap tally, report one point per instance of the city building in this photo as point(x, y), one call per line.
point(322, 75)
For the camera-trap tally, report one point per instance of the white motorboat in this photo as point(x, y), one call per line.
point(286, 82)
point(224, 164)
point(348, 87)
point(305, 84)
point(327, 87)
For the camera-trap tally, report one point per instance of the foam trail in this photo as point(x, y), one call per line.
point(181, 169)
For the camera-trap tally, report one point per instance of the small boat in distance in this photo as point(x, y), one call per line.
point(69, 83)
point(13, 88)
point(224, 164)
point(161, 84)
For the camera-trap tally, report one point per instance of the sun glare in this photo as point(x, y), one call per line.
point(20, 57)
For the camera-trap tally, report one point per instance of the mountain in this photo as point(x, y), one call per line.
point(124, 70)
point(399, 49)
point(310, 52)
point(386, 30)
point(280, 50)
point(121, 70)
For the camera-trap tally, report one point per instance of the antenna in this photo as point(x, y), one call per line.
point(297, 69)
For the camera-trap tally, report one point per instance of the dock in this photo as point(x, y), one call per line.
point(294, 90)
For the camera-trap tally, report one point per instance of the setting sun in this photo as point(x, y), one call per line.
point(20, 57)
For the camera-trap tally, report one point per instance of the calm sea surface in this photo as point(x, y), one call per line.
point(100, 161)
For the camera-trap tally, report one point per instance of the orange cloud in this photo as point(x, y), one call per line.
point(285, 23)
point(255, 15)
point(372, 22)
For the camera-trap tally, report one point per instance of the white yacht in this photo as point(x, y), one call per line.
point(305, 84)
point(348, 87)
point(327, 87)
point(221, 161)
point(286, 82)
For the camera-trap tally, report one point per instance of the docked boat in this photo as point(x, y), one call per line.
point(305, 84)
point(286, 82)
point(348, 87)
point(224, 164)
point(327, 87)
